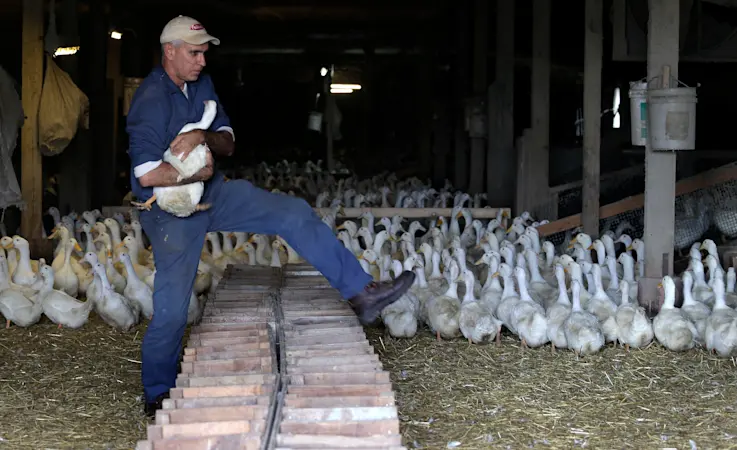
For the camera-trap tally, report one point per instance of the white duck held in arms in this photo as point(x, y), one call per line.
point(184, 200)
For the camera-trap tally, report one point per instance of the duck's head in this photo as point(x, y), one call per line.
point(75, 245)
point(6, 242)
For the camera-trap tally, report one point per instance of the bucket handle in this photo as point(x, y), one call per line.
point(678, 82)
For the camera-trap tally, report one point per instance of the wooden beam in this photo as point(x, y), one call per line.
point(593, 55)
point(685, 186)
point(32, 82)
point(660, 167)
point(352, 213)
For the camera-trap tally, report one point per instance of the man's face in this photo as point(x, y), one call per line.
point(187, 60)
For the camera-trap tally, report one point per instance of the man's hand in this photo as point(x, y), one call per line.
point(184, 143)
point(206, 172)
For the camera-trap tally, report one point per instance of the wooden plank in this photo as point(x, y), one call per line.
point(227, 367)
point(386, 399)
point(227, 355)
point(31, 85)
point(225, 380)
point(339, 414)
point(246, 441)
point(227, 327)
point(226, 348)
point(212, 414)
point(416, 213)
point(703, 180)
point(358, 390)
point(346, 442)
point(336, 368)
point(201, 429)
point(222, 391)
point(206, 402)
point(333, 360)
point(345, 428)
point(227, 334)
point(593, 60)
point(225, 341)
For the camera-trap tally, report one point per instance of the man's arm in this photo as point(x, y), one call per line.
point(166, 175)
point(220, 142)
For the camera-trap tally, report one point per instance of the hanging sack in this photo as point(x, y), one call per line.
point(63, 108)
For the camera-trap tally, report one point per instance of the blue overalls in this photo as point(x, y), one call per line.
point(158, 111)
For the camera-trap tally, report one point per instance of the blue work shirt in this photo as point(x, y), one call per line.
point(158, 110)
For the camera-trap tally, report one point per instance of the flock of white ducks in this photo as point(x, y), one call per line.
point(474, 280)
point(474, 277)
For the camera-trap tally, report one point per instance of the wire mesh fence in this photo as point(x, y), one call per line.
point(709, 212)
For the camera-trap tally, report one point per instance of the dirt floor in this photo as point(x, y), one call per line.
point(81, 389)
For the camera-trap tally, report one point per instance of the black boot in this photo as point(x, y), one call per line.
point(377, 296)
point(150, 407)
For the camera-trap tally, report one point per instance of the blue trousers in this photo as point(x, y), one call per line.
point(237, 205)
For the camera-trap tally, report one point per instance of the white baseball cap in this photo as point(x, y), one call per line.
point(188, 30)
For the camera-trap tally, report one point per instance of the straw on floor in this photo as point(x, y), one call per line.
point(455, 395)
point(81, 389)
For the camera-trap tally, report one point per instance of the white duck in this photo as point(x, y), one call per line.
point(695, 311)
point(136, 290)
point(528, 317)
point(400, 318)
point(603, 307)
point(116, 310)
point(58, 306)
point(721, 326)
point(184, 200)
point(581, 328)
point(558, 312)
point(634, 328)
point(477, 323)
point(443, 310)
point(16, 306)
point(64, 278)
point(671, 327)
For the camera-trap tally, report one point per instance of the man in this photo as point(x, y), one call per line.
point(171, 96)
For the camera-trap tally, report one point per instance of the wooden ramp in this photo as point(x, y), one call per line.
point(279, 361)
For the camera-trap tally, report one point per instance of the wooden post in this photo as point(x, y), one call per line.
point(480, 86)
point(500, 154)
point(541, 12)
point(32, 73)
point(594, 37)
point(660, 167)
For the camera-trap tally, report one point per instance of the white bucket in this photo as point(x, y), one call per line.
point(638, 112)
point(672, 118)
point(314, 121)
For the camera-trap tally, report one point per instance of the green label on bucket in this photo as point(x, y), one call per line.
point(643, 120)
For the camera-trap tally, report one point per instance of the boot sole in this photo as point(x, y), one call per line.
point(367, 318)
